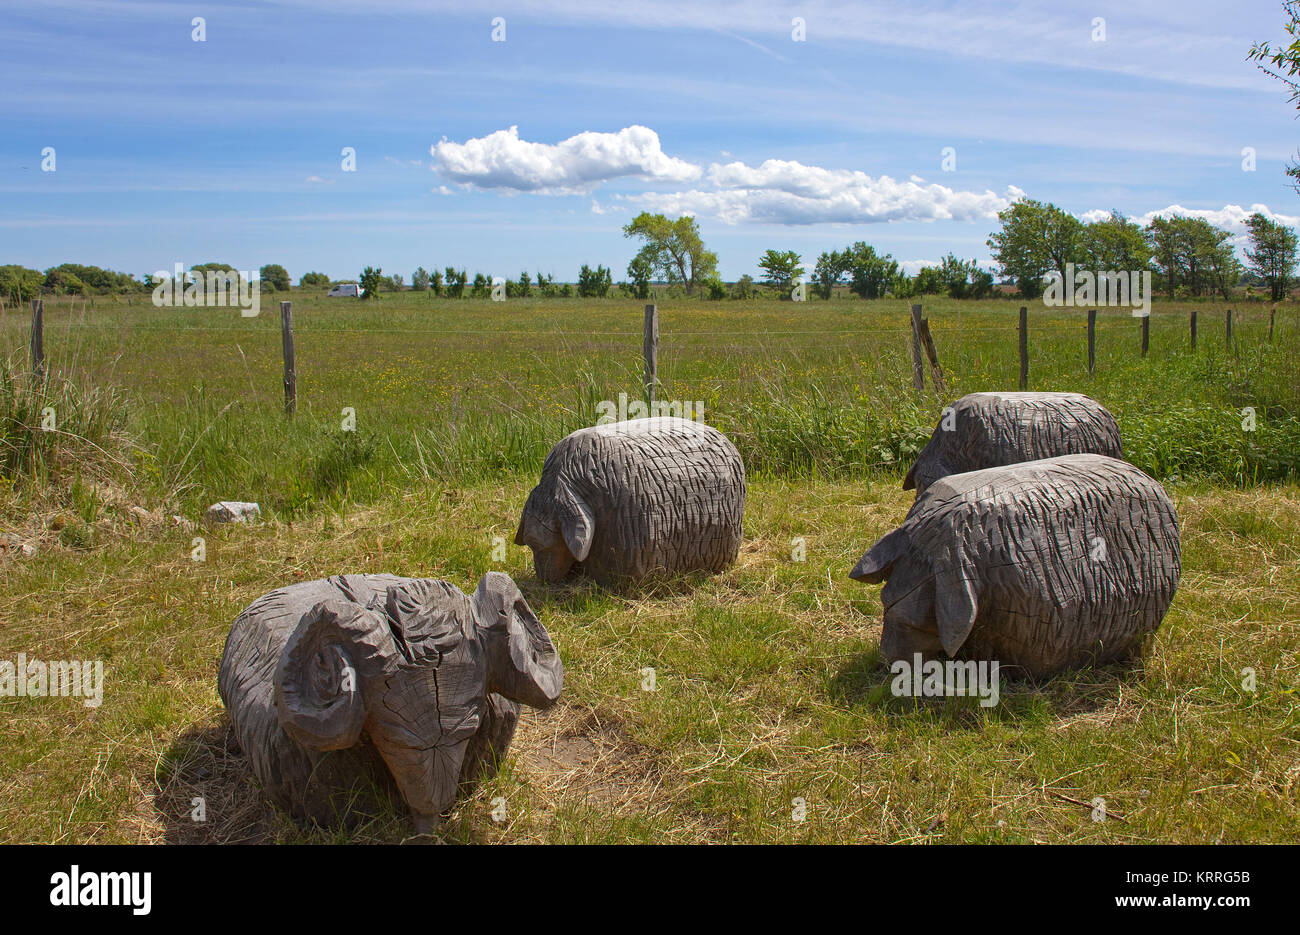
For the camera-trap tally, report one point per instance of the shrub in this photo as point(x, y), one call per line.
point(371, 281)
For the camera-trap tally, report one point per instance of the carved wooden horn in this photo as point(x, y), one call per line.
point(523, 663)
point(337, 649)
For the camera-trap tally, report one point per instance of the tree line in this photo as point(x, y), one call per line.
point(1188, 256)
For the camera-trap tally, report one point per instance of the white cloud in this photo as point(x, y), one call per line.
point(501, 160)
point(317, 180)
point(786, 192)
point(912, 267)
point(1229, 217)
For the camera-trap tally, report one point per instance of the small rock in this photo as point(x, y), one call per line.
point(182, 522)
point(11, 543)
point(233, 511)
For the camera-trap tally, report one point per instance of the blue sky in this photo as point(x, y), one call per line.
point(170, 150)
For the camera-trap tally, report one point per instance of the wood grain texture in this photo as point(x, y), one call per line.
point(1043, 565)
point(350, 690)
point(627, 499)
point(985, 430)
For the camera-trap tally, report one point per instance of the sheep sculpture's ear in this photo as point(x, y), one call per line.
point(879, 561)
point(955, 604)
point(577, 522)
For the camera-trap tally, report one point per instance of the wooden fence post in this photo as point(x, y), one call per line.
point(650, 348)
point(918, 370)
point(290, 374)
point(1193, 329)
point(1228, 332)
point(1146, 333)
point(38, 338)
point(927, 341)
point(1024, 348)
point(1092, 341)
point(1272, 317)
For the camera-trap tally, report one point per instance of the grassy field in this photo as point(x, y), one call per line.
point(769, 683)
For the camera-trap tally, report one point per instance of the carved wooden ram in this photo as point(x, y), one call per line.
point(345, 689)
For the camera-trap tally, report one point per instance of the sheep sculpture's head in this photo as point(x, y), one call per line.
point(558, 525)
point(414, 676)
point(930, 599)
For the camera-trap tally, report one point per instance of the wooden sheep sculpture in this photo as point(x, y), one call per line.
point(1043, 565)
point(626, 499)
point(346, 689)
point(984, 430)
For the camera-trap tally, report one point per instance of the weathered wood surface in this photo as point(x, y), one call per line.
point(650, 351)
point(1092, 341)
point(983, 430)
point(1024, 348)
point(1040, 566)
point(628, 499)
point(290, 371)
point(38, 338)
point(918, 369)
point(927, 342)
point(354, 689)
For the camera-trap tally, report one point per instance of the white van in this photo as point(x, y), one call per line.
point(348, 290)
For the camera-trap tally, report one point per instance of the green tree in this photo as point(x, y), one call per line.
point(929, 280)
point(62, 281)
point(456, 281)
point(1282, 62)
point(674, 249)
point(276, 275)
point(314, 281)
point(1114, 244)
point(594, 283)
point(1193, 254)
point(435, 282)
point(1272, 254)
point(829, 272)
point(640, 273)
point(1035, 239)
point(744, 288)
point(869, 273)
point(963, 279)
point(371, 281)
point(482, 287)
point(781, 269)
point(525, 284)
point(18, 283)
point(420, 279)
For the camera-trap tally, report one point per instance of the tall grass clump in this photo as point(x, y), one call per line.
point(52, 427)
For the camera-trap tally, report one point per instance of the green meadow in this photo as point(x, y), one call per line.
point(770, 718)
